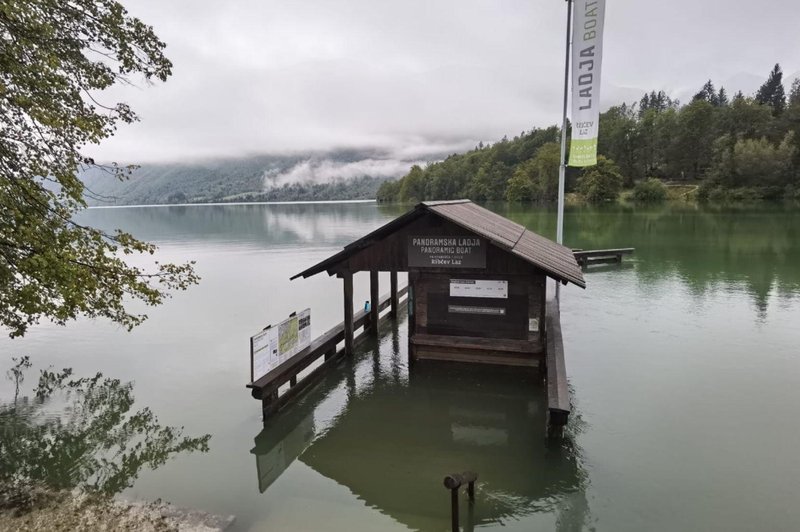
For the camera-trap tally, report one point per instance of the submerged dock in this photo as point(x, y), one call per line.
point(601, 256)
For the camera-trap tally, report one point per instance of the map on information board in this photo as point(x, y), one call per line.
point(277, 343)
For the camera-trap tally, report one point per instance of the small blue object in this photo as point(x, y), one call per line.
point(366, 306)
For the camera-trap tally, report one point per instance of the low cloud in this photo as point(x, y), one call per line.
point(326, 171)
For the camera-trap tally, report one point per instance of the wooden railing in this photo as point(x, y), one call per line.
point(267, 387)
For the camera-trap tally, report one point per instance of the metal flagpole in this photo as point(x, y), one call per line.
point(563, 166)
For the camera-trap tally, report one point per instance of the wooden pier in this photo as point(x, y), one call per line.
point(476, 294)
point(601, 256)
point(328, 346)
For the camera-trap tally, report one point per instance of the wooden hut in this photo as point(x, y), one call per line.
point(477, 282)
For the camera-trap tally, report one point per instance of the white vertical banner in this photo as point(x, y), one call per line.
point(587, 56)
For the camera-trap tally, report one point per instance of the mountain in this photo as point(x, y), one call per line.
point(335, 175)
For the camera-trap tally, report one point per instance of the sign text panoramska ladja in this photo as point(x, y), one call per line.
point(446, 252)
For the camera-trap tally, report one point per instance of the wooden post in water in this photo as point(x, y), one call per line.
point(347, 278)
point(453, 482)
point(393, 293)
point(374, 302)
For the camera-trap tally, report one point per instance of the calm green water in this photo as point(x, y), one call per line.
point(684, 367)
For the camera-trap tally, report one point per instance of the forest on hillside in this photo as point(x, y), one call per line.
point(235, 179)
point(731, 146)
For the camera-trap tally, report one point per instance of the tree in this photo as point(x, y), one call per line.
point(755, 163)
point(691, 151)
point(412, 188)
point(794, 93)
point(617, 139)
point(722, 97)
point(55, 59)
point(708, 94)
point(600, 183)
point(772, 93)
point(537, 178)
point(650, 190)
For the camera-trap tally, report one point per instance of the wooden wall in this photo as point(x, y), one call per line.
point(435, 331)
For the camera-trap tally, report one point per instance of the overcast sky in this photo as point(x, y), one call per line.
point(417, 76)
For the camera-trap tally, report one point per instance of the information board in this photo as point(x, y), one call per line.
point(446, 252)
point(478, 288)
point(277, 343)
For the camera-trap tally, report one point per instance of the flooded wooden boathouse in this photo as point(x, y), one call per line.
point(477, 291)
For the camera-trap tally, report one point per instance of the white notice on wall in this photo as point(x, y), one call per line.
point(478, 288)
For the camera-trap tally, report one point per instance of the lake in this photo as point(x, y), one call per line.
point(683, 364)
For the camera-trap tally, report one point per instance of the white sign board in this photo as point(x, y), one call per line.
point(478, 288)
point(278, 343)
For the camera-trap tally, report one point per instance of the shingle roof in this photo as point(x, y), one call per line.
point(554, 259)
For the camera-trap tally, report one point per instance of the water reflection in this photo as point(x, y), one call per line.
point(84, 433)
point(746, 248)
point(395, 433)
point(257, 225)
point(752, 248)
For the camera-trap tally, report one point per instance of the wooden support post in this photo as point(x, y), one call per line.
point(269, 405)
point(374, 303)
point(454, 510)
point(347, 278)
point(453, 482)
point(393, 294)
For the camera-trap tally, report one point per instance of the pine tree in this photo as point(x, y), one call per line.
point(708, 93)
point(722, 97)
point(772, 93)
point(794, 94)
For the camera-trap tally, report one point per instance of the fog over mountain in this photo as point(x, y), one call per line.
point(335, 175)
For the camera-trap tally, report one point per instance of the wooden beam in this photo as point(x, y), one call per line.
point(374, 303)
point(393, 294)
point(347, 278)
point(558, 402)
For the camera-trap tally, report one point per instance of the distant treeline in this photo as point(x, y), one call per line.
point(732, 146)
point(365, 187)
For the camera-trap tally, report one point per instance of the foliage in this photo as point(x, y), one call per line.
point(656, 137)
point(97, 443)
point(772, 93)
point(537, 179)
point(55, 59)
point(484, 173)
point(710, 95)
point(754, 163)
point(600, 183)
point(650, 190)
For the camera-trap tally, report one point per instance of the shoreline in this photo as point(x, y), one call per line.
point(76, 510)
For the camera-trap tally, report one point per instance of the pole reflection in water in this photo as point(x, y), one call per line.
point(395, 433)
